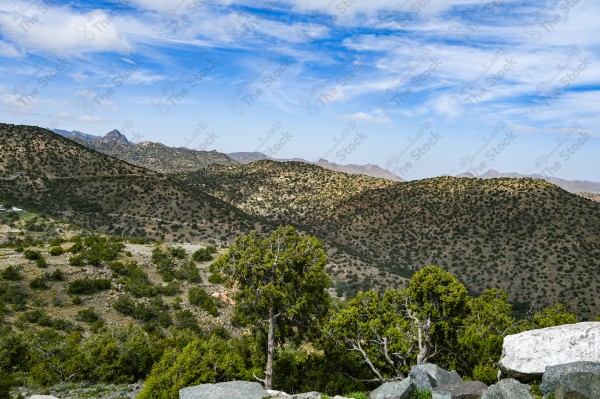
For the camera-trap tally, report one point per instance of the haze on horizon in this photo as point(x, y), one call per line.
point(422, 87)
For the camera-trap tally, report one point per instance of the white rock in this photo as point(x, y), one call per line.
point(42, 397)
point(526, 355)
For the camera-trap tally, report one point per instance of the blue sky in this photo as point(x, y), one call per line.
point(421, 87)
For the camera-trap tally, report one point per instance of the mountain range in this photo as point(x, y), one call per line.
point(163, 159)
point(535, 240)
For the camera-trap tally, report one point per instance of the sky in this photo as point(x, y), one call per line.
point(420, 87)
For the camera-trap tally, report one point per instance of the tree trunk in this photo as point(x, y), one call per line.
point(270, 352)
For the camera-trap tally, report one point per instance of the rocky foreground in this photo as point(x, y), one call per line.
point(566, 359)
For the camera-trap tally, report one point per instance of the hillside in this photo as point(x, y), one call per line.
point(153, 156)
point(572, 186)
point(47, 173)
point(41, 281)
point(366, 170)
point(527, 236)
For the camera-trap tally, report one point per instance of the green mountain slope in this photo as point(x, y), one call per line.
point(527, 236)
point(44, 172)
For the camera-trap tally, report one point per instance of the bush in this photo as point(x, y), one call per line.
point(188, 271)
point(88, 286)
point(120, 355)
point(56, 275)
point(56, 251)
point(202, 361)
point(11, 273)
point(185, 319)
point(199, 297)
point(38, 283)
point(6, 383)
point(178, 253)
point(88, 315)
point(204, 254)
point(31, 254)
point(41, 263)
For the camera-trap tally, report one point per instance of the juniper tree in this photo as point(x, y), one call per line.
point(280, 284)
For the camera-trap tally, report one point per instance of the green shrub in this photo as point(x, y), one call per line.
point(204, 254)
point(185, 319)
point(41, 263)
point(424, 394)
point(88, 315)
point(188, 271)
point(120, 355)
point(199, 297)
point(56, 275)
point(171, 289)
point(88, 286)
point(178, 253)
point(11, 273)
point(31, 254)
point(6, 383)
point(56, 251)
point(38, 283)
point(202, 361)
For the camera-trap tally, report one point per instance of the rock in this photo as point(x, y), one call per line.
point(429, 376)
point(307, 395)
point(508, 389)
point(394, 390)
point(579, 386)
point(554, 374)
point(42, 397)
point(461, 390)
point(525, 356)
point(277, 394)
point(225, 390)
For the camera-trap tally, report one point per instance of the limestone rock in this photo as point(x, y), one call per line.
point(508, 389)
point(307, 395)
point(277, 394)
point(554, 374)
point(429, 376)
point(394, 390)
point(579, 386)
point(461, 390)
point(225, 390)
point(526, 355)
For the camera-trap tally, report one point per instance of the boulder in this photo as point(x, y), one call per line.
point(554, 374)
point(508, 389)
point(429, 376)
point(525, 356)
point(579, 386)
point(225, 390)
point(394, 390)
point(461, 390)
point(277, 394)
point(307, 395)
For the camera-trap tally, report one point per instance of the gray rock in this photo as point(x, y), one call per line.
point(277, 394)
point(429, 376)
point(525, 356)
point(508, 389)
point(394, 390)
point(579, 386)
point(461, 390)
point(554, 374)
point(307, 395)
point(225, 390)
point(42, 397)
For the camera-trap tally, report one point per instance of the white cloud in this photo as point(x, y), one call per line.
point(43, 28)
point(366, 118)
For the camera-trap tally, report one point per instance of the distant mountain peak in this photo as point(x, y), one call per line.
point(118, 136)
